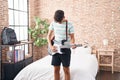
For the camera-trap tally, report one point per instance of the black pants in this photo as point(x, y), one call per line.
point(64, 58)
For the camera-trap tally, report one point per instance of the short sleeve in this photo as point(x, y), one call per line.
point(71, 28)
point(51, 26)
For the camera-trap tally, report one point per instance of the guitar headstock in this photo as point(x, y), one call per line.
point(81, 45)
point(78, 45)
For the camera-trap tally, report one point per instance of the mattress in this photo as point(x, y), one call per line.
point(83, 66)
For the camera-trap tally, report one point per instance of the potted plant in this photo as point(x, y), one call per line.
point(39, 31)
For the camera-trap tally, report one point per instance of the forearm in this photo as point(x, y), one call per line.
point(49, 41)
point(49, 38)
point(72, 41)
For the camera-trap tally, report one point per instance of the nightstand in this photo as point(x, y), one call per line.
point(106, 52)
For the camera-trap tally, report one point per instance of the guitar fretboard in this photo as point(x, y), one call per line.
point(69, 46)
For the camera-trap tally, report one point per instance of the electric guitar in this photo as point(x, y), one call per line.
point(58, 47)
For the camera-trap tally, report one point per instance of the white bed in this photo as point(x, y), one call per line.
point(84, 66)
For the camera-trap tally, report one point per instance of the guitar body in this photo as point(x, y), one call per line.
point(52, 42)
point(60, 48)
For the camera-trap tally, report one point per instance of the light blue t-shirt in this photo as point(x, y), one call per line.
point(60, 30)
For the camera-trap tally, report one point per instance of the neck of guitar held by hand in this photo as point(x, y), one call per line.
point(70, 45)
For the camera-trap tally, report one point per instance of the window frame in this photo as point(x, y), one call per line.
point(19, 25)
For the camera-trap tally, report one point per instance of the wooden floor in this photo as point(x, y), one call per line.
point(107, 75)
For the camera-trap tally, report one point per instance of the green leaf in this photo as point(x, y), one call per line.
point(37, 21)
point(37, 32)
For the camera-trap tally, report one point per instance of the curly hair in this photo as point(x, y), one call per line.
point(59, 15)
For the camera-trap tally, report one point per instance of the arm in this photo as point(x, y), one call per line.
point(71, 34)
point(49, 37)
point(72, 40)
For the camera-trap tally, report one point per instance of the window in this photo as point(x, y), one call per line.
point(18, 18)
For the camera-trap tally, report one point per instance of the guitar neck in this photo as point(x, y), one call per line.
point(69, 46)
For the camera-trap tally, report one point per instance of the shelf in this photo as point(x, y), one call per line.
point(105, 64)
point(17, 54)
point(106, 54)
point(105, 50)
point(28, 42)
point(22, 43)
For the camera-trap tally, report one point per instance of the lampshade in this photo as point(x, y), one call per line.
point(105, 42)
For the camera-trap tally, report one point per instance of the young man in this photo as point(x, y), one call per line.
point(58, 28)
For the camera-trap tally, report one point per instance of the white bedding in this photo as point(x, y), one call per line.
point(83, 66)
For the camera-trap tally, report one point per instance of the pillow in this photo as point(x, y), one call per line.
point(83, 50)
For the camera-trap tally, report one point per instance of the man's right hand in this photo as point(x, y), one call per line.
point(54, 48)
